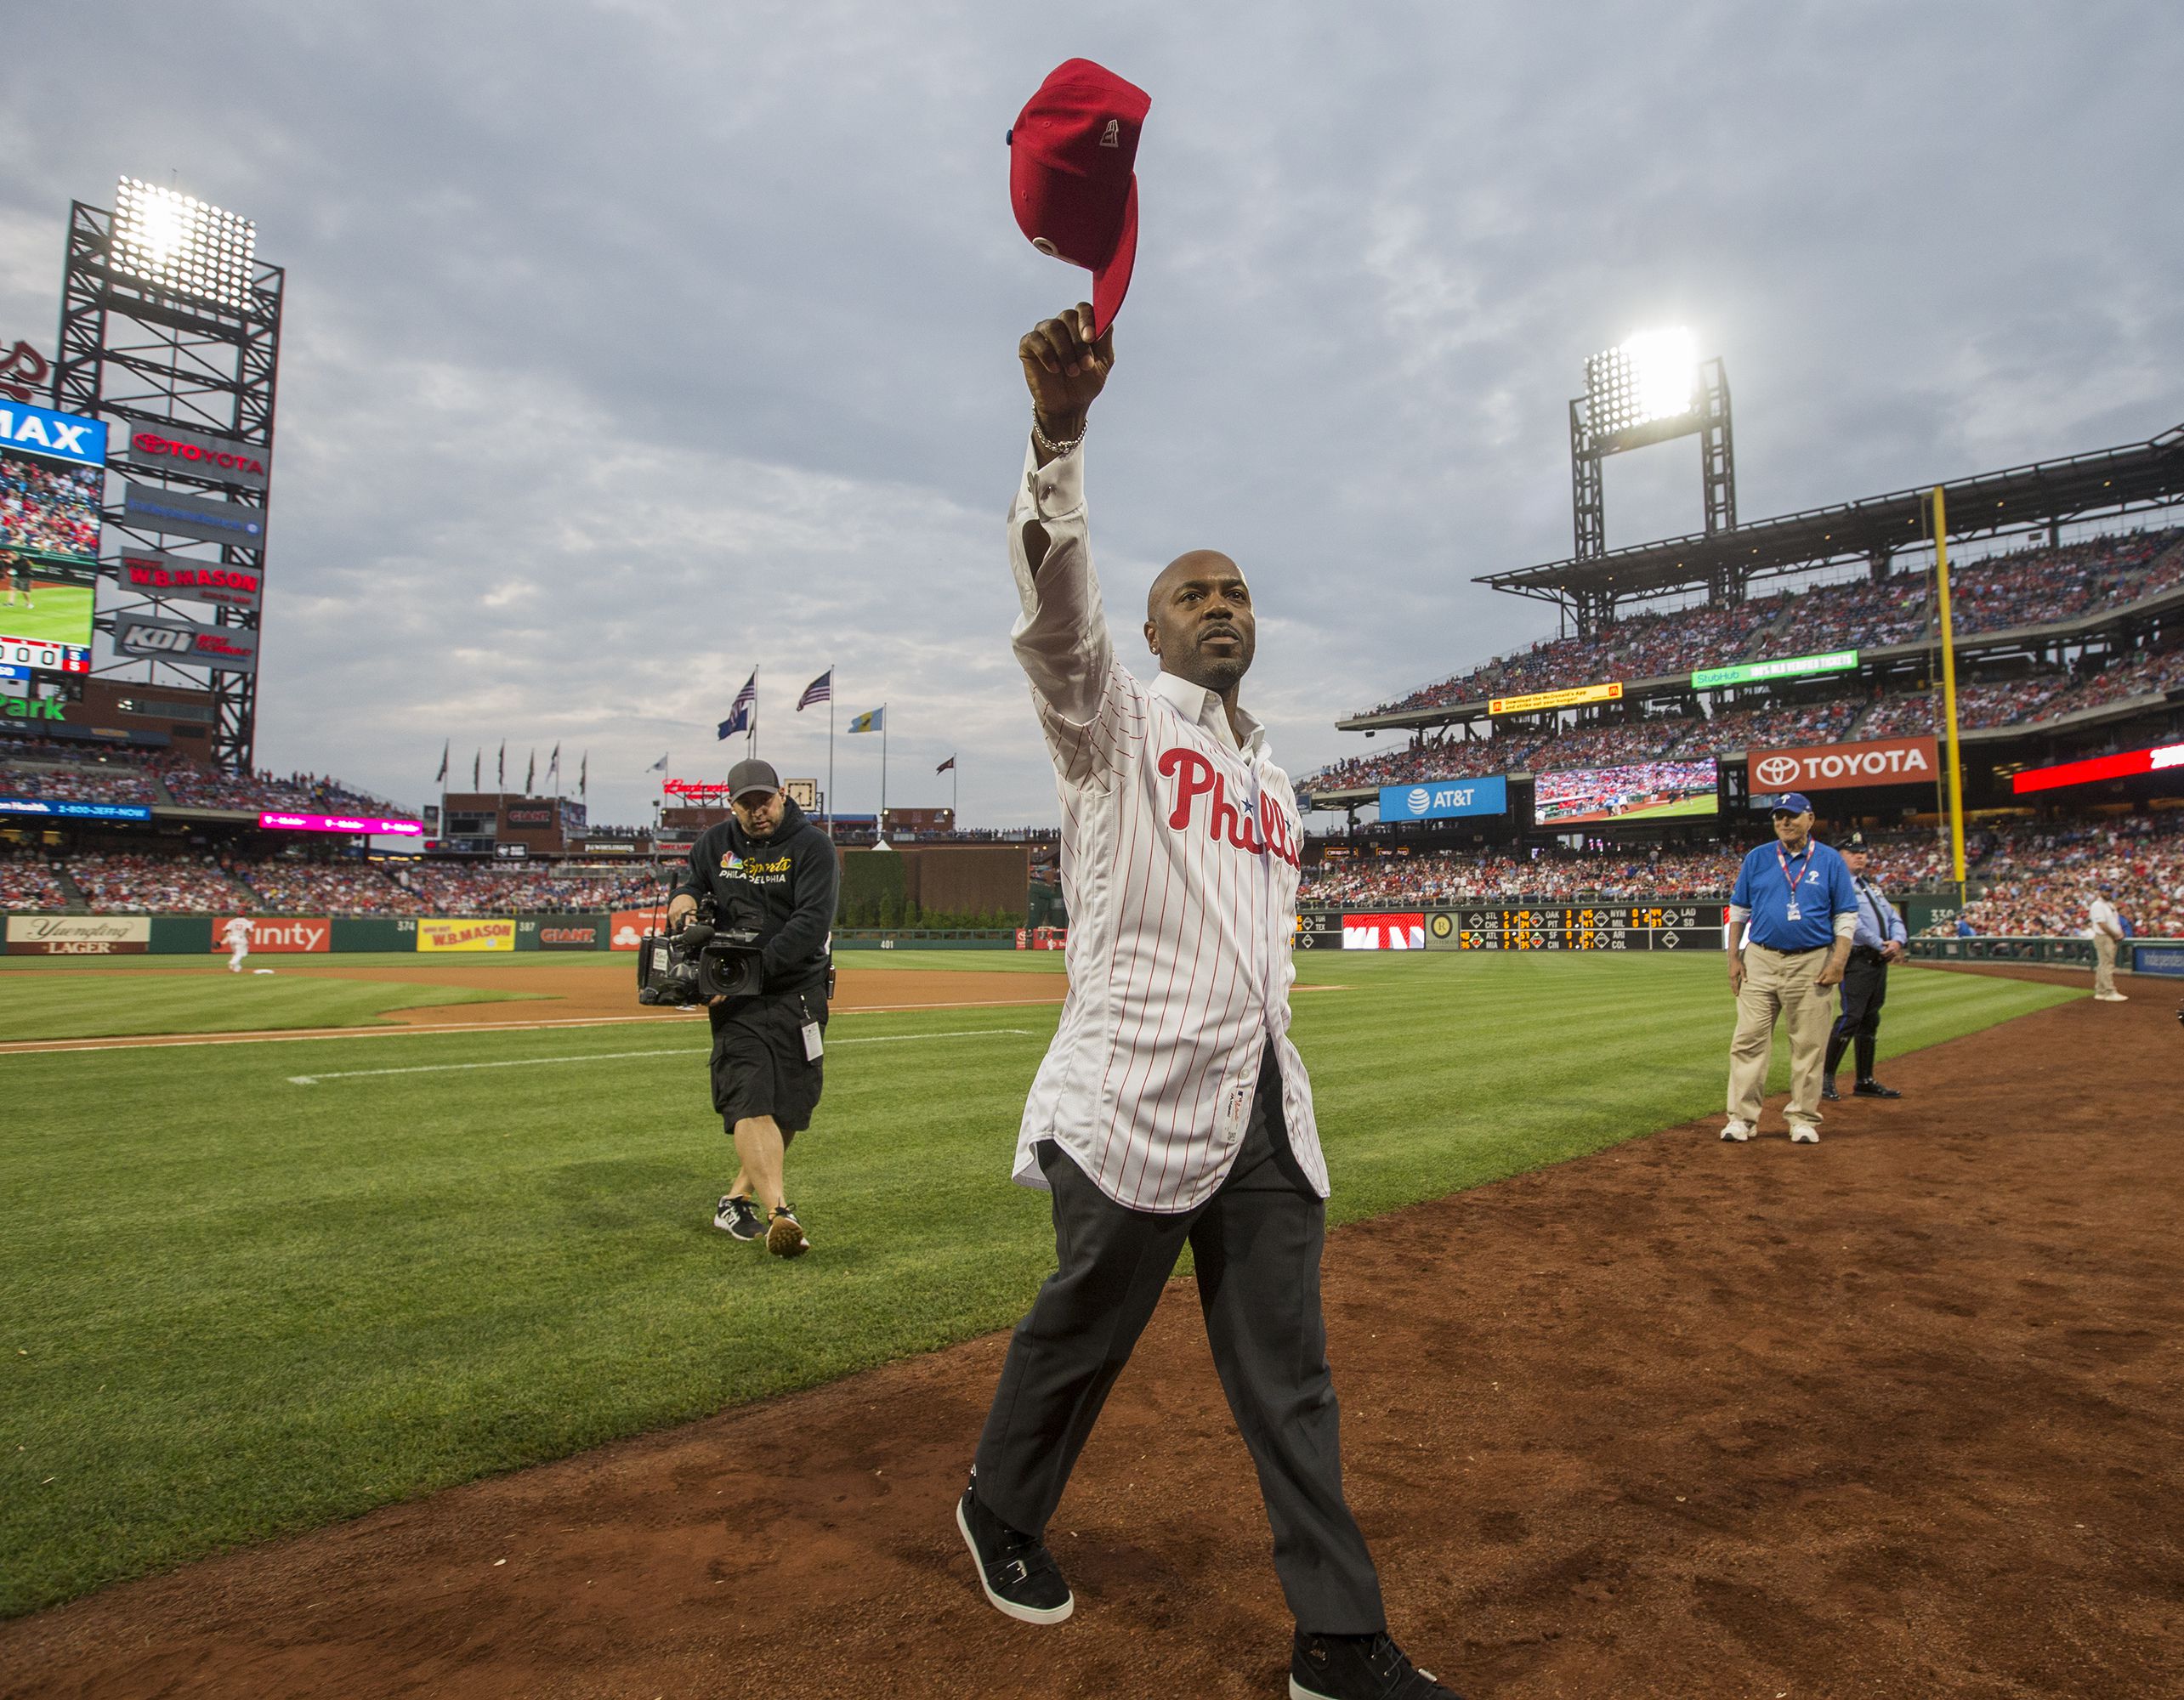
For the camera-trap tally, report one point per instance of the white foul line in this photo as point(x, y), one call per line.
point(623, 1056)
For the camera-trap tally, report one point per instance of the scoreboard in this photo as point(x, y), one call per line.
point(1607, 926)
point(1510, 926)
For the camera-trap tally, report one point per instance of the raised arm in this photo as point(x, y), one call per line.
point(1061, 638)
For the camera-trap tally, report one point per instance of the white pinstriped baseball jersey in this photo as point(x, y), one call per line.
point(1179, 866)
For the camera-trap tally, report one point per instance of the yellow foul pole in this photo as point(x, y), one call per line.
point(1949, 699)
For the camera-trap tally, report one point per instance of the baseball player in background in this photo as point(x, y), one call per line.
point(1794, 898)
point(2106, 928)
point(236, 935)
point(1878, 940)
point(1171, 1108)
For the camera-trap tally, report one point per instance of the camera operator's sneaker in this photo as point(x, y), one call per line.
point(739, 1216)
point(1358, 1668)
point(784, 1237)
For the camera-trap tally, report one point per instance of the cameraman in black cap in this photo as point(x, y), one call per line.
point(1878, 941)
point(766, 1047)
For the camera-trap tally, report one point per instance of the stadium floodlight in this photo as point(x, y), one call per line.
point(1651, 375)
point(183, 244)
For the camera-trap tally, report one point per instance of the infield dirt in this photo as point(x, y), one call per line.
point(1896, 1414)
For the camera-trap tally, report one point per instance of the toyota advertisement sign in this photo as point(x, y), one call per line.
point(1835, 766)
point(217, 459)
point(1444, 799)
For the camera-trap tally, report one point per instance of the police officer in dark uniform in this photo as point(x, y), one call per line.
point(1878, 940)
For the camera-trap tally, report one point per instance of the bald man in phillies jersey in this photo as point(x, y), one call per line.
point(1171, 1108)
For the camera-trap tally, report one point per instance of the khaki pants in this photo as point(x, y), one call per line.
point(2104, 963)
point(1788, 987)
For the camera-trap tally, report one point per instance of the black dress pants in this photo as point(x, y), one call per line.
point(1865, 989)
point(1257, 1245)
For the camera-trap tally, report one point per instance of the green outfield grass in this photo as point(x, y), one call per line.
point(241, 1306)
point(79, 1006)
point(62, 613)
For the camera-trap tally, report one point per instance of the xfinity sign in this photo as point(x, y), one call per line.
point(1444, 799)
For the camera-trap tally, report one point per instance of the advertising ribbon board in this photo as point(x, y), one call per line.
point(158, 573)
point(280, 938)
point(78, 935)
point(1570, 698)
point(564, 932)
point(2161, 758)
point(374, 824)
point(217, 459)
point(1444, 799)
point(1831, 766)
point(1782, 667)
point(467, 935)
point(57, 809)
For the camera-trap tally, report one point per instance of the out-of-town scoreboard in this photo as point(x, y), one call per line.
point(1616, 926)
point(1510, 926)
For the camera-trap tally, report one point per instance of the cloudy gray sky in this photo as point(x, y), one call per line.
point(631, 345)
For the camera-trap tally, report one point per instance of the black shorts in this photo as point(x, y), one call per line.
point(758, 1065)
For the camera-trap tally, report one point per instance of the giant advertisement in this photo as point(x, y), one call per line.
point(626, 927)
point(467, 935)
point(203, 517)
point(62, 809)
point(232, 648)
point(154, 572)
point(78, 935)
point(1405, 931)
point(217, 459)
point(2161, 758)
point(1444, 799)
point(53, 484)
point(1638, 791)
point(1573, 696)
point(279, 937)
point(1830, 767)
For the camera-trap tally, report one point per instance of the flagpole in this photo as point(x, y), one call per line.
point(829, 753)
point(750, 739)
point(880, 834)
point(955, 778)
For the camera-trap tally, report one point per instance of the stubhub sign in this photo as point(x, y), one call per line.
point(1444, 799)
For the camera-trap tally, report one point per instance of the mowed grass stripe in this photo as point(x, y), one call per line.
point(240, 1307)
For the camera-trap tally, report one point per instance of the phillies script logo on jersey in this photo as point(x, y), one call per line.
point(1196, 777)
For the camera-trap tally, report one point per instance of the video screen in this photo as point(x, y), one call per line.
point(1641, 791)
point(48, 548)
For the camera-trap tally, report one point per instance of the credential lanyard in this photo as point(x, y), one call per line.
point(1785, 863)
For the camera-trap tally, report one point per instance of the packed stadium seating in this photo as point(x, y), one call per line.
point(1456, 877)
point(292, 886)
point(80, 785)
point(447, 888)
point(1996, 593)
point(29, 881)
point(2040, 877)
point(141, 882)
point(305, 793)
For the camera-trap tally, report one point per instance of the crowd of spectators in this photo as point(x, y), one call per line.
point(193, 787)
point(2037, 877)
point(141, 882)
point(46, 510)
point(454, 889)
point(78, 784)
point(2026, 587)
point(281, 885)
point(28, 881)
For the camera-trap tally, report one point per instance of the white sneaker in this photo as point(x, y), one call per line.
point(1804, 1133)
point(1737, 1130)
point(2110, 997)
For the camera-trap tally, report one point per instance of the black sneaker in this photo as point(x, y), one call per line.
point(1019, 1576)
point(785, 1236)
point(739, 1216)
point(1829, 1093)
point(1358, 1668)
point(1874, 1088)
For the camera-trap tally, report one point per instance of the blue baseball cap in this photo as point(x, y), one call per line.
point(1792, 803)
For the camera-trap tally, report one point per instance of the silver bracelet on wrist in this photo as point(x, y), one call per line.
point(1047, 444)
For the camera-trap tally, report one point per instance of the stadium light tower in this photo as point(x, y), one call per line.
point(1651, 387)
point(170, 330)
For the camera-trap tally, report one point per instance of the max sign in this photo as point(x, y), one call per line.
point(1830, 767)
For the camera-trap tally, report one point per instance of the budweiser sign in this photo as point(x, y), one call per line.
point(1830, 767)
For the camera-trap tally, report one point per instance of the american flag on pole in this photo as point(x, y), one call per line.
point(820, 690)
point(739, 711)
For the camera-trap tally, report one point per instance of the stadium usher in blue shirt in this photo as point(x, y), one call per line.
point(1823, 892)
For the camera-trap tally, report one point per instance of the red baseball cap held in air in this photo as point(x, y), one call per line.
point(1072, 176)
